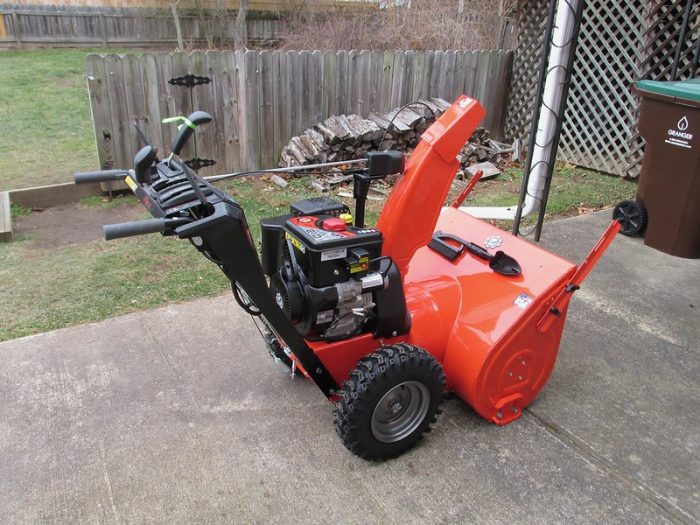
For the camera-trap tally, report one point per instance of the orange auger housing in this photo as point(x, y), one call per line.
point(496, 336)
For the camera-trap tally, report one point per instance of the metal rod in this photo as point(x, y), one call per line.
point(536, 113)
point(696, 59)
point(681, 38)
point(291, 169)
point(578, 16)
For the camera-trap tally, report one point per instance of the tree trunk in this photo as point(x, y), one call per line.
point(240, 39)
point(178, 29)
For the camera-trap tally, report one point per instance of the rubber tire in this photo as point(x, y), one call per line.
point(373, 377)
point(632, 216)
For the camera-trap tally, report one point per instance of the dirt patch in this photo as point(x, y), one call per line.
point(73, 223)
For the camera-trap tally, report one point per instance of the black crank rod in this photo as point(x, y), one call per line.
point(129, 229)
point(85, 177)
point(291, 169)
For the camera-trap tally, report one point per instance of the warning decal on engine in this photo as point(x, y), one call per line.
point(296, 242)
point(330, 255)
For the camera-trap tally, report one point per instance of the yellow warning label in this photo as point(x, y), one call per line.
point(360, 266)
point(296, 242)
point(130, 182)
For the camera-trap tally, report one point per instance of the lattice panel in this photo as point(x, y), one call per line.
point(620, 42)
point(601, 107)
point(532, 19)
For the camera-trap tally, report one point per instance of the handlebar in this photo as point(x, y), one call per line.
point(129, 229)
point(86, 177)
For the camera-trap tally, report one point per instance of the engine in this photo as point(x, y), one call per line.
point(328, 276)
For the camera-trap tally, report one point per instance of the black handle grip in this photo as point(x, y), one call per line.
point(86, 177)
point(128, 229)
point(448, 251)
point(478, 251)
point(197, 118)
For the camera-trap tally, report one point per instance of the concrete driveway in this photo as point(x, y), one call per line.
point(177, 415)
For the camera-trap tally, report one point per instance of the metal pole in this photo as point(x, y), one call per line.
point(681, 38)
point(578, 15)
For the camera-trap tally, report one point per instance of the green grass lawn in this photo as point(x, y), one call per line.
point(45, 115)
point(45, 289)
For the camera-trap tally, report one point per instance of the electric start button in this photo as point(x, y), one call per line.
point(334, 224)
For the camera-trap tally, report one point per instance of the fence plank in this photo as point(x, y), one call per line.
point(152, 95)
point(278, 81)
point(353, 82)
point(364, 65)
point(208, 97)
point(267, 156)
point(436, 73)
point(387, 78)
point(449, 92)
point(248, 96)
point(376, 75)
point(317, 66)
point(290, 98)
point(204, 98)
point(341, 82)
point(231, 159)
point(135, 98)
point(118, 110)
point(330, 61)
point(101, 110)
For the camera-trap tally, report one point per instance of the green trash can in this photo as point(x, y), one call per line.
point(669, 185)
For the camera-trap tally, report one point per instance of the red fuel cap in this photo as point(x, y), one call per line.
point(334, 224)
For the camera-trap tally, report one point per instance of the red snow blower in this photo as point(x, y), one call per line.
point(386, 319)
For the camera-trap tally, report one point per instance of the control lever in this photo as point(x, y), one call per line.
point(143, 162)
point(192, 178)
point(186, 128)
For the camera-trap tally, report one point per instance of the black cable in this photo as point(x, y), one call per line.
point(417, 103)
point(248, 307)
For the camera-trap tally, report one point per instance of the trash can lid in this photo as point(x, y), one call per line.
point(685, 89)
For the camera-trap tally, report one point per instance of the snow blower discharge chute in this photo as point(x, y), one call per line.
point(385, 319)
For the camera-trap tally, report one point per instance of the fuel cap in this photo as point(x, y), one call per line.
point(334, 224)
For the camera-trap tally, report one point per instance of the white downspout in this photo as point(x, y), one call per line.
point(546, 126)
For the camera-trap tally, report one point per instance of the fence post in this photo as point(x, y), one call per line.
point(16, 29)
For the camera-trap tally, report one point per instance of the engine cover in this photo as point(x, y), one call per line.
point(327, 276)
point(331, 256)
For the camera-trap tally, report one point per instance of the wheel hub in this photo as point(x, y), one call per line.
point(400, 411)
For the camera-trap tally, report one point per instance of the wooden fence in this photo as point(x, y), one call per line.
point(127, 27)
point(259, 100)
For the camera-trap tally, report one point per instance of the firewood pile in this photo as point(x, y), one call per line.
point(345, 137)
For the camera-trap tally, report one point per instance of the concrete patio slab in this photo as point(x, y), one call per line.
point(178, 415)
